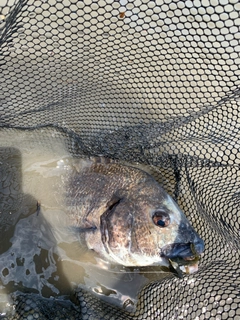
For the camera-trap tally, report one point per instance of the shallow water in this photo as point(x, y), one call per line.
point(39, 252)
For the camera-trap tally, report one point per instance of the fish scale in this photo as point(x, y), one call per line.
point(115, 206)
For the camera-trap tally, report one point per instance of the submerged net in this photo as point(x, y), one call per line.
point(153, 82)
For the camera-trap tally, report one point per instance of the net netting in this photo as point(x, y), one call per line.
point(153, 82)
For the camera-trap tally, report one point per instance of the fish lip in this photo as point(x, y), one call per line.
point(182, 251)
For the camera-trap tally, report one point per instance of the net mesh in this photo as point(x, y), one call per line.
point(155, 82)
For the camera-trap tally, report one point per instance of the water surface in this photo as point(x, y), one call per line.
point(39, 252)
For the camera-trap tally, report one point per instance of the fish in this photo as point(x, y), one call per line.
point(126, 217)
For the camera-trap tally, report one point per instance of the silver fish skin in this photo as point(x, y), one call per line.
point(127, 218)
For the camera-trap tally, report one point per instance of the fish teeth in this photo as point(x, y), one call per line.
point(190, 268)
point(189, 258)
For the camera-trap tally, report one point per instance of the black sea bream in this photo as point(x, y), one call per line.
point(126, 217)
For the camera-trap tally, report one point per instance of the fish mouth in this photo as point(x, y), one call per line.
point(182, 257)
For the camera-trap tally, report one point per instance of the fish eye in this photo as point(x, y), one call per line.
point(161, 219)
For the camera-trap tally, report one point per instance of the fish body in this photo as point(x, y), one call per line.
point(127, 218)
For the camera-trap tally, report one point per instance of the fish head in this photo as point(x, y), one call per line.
point(144, 226)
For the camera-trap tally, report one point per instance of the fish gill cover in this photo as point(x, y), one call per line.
point(149, 82)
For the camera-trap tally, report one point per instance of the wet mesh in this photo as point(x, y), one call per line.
point(155, 82)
